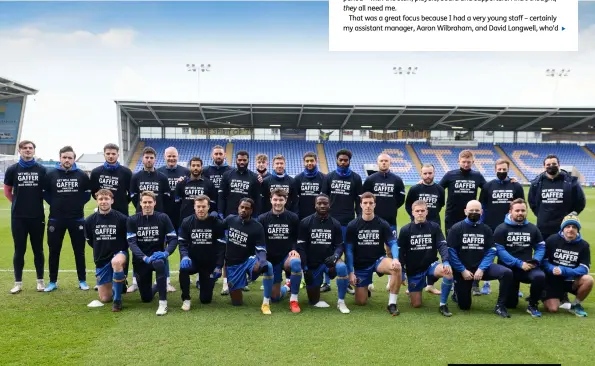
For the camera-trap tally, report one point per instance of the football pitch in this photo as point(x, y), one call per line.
point(59, 328)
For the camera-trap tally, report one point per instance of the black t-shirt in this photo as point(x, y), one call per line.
point(390, 194)
point(243, 239)
point(187, 190)
point(155, 182)
point(559, 252)
point(69, 191)
point(344, 194)
point(147, 234)
point(518, 240)
point(368, 239)
point(462, 188)
point(471, 242)
point(281, 232)
point(419, 245)
point(307, 189)
point(27, 190)
point(318, 239)
point(432, 195)
point(202, 240)
point(495, 199)
point(106, 234)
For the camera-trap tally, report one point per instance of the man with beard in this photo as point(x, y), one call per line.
point(23, 187)
point(191, 187)
point(521, 248)
point(344, 187)
point(215, 171)
point(495, 198)
point(462, 185)
point(390, 195)
point(471, 253)
point(237, 184)
point(281, 232)
point(279, 180)
point(67, 190)
point(246, 255)
point(308, 185)
point(320, 246)
point(202, 248)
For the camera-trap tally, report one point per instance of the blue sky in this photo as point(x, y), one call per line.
point(84, 55)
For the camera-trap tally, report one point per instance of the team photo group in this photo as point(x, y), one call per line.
point(235, 225)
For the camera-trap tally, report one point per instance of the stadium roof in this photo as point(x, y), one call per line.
point(11, 89)
point(380, 117)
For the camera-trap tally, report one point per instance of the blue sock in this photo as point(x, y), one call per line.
point(283, 292)
point(117, 285)
point(445, 288)
point(342, 280)
point(327, 279)
point(267, 281)
point(296, 275)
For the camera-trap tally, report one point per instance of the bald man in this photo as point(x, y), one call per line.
point(390, 194)
point(174, 173)
point(471, 251)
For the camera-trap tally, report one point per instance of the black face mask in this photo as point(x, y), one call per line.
point(502, 175)
point(552, 170)
point(474, 216)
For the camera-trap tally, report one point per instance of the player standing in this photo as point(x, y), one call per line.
point(147, 231)
point(246, 238)
point(428, 191)
point(262, 164)
point(23, 187)
point(215, 171)
point(105, 231)
point(308, 185)
point(281, 232)
point(175, 173)
point(366, 237)
point(521, 248)
point(419, 242)
point(320, 245)
point(196, 185)
point(113, 176)
point(390, 194)
point(67, 190)
point(471, 252)
point(202, 249)
point(343, 187)
point(279, 180)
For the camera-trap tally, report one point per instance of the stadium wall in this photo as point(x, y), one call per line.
point(12, 113)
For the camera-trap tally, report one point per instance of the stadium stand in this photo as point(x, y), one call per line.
point(187, 148)
point(446, 158)
point(292, 150)
point(366, 152)
point(529, 158)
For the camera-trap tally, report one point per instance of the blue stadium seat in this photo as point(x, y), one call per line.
point(446, 158)
point(366, 152)
point(529, 158)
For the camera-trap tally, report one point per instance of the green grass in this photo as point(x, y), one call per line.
point(58, 328)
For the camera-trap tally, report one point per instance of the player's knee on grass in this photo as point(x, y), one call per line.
point(236, 297)
point(105, 293)
point(313, 295)
point(552, 305)
point(415, 299)
point(205, 297)
point(276, 293)
point(361, 296)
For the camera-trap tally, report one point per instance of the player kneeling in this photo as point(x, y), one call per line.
point(320, 243)
point(246, 236)
point(147, 231)
point(365, 238)
point(202, 248)
point(105, 231)
point(567, 261)
point(419, 242)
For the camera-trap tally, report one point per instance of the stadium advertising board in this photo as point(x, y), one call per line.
point(399, 135)
point(10, 118)
point(293, 134)
point(222, 131)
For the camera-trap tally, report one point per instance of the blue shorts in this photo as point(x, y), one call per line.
point(418, 281)
point(278, 270)
point(105, 274)
point(237, 274)
point(364, 276)
point(317, 276)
